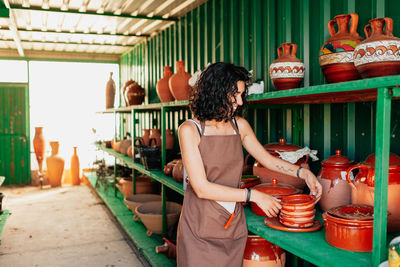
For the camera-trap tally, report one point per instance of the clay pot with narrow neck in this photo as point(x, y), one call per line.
point(336, 54)
point(155, 134)
point(260, 252)
point(332, 176)
point(145, 138)
point(379, 54)
point(39, 146)
point(287, 71)
point(110, 92)
point(128, 83)
point(179, 82)
point(169, 139)
point(266, 175)
point(75, 169)
point(134, 94)
point(162, 86)
point(363, 188)
point(55, 165)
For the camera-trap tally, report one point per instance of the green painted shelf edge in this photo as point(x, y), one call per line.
point(153, 106)
point(135, 230)
point(3, 219)
point(156, 175)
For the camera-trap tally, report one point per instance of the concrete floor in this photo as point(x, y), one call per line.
point(66, 226)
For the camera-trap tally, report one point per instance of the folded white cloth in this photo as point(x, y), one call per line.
point(229, 206)
point(294, 156)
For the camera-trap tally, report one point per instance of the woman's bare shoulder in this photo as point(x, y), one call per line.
point(188, 130)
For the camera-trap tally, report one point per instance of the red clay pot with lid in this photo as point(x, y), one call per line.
point(261, 252)
point(267, 175)
point(335, 191)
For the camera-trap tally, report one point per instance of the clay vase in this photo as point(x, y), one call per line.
point(336, 54)
point(110, 92)
point(129, 82)
point(155, 133)
point(287, 71)
point(179, 82)
point(379, 54)
point(134, 94)
point(162, 86)
point(169, 139)
point(39, 145)
point(145, 137)
point(55, 165)
point(260, 252)
point(76, 180)
point(332, 176)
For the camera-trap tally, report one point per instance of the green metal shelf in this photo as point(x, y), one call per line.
point(3, 219)
point(153, 106)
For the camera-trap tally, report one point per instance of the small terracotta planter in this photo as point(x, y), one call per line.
point(145, 185)
point(133, 201)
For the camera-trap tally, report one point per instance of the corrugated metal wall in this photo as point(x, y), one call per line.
point(247, 33)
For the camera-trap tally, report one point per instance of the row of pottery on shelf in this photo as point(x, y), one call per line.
point(155, 134)
point(144, 185)
point(132, 93)
point(174, 86)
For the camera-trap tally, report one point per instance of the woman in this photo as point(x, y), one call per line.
point(212, 233)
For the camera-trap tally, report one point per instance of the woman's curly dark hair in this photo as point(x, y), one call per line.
point(211, 96)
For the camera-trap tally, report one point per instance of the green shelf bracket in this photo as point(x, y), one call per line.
point(164, 209)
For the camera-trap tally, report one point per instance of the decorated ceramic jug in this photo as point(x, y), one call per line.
point(134, 94)
point(129, 82)
point(336, 55)
point(162, 86)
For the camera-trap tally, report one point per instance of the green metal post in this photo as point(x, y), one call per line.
point(133, 143)
point(115, 160)
point(163, 143)
point(351, 130)
point(382, 149)
point(306, 125)
point(327, 130)
point(164, 209)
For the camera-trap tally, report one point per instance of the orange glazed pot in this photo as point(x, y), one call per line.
point(39, 146)
point(162, 86)
point(128, 83)
point(266, 175)
point(179, 82)
point(259, 252)
point(363, 188)
point(134, 94)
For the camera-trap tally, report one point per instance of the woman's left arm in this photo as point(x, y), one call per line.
point(253, 146)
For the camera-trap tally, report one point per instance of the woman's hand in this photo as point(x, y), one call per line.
point(269, 204)
point(312, 183)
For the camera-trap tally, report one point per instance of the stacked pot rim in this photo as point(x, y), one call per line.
point(297, 211)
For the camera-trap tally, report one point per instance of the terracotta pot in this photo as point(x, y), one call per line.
point(335, 190)
point(133, 201)
point(278, 190)
point(170, 166)
point(129, 151)
point(145, 185)
point(259, 252)
point(336, 54)
point(117, 145)
point(287, 71)
point(179, 82)
point(162, 86)
point(177, 171)
point(55, 165)
point(125, 144)
point(155, 134)
point(363, 188)
point(129, 82)
point(145, 137)
point(249, 181)
point(350, 235)
point(169, 139)
point(298, 211)
point(110, 92)
point(39, 146)
point(125, 186)
point(266, 175)
point(75, 169)
point(379, 54)
point(150, 214)
point(107, 144)
point(168, 248)
point(134, 94)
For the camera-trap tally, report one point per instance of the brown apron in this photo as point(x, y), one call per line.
point(202, 239)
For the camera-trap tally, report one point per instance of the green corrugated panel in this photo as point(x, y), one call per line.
point(201, 42)
point(194, 41)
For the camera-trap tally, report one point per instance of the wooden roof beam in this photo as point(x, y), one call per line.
point(13, 27)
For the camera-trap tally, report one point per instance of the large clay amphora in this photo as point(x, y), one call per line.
point(260, 252)
point(336, 55)
point(287, 71)
point(162, 86)
point(379, 54)
point(55, 165)
point(39, 146)
point(179, 82)
point(75, 169)
point(134, 94)
point(110, 92)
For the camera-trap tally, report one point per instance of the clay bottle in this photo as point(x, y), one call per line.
point(110, 92)
point(55, 165)
point(179, 82)
point(39, 146)
point(75, 168)
point(163, 90)
point(169, 139)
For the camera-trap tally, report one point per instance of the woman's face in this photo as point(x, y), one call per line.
point(237, 98)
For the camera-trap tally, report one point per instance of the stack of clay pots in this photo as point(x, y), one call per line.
point(297, 211)
point(133, 201)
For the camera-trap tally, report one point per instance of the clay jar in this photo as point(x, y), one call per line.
point(267, 175)
point(162, 86)
point(287, 71)
point(110, 92)
point(39, 145)
point(129, 82)
point(145, 137)
point(179, 82)
point(134, 94)
point(362, 189)
point(335, 190)
point(170, 166)
point(155, 134)
point(261, 252)
point(75, 169)
point(55, 165)
point(336, 54)
point(177, 171)
point(379, 54)
point(169, 139)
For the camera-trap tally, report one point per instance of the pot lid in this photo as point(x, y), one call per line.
point(353, 212)
point(281, 146)
point(394, 160)
point(337, 160)
point(277, 189)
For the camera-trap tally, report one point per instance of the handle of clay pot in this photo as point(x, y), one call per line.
point(331, 27)
point(350, 170)
point(367, 30)
point(280, 51)
point(294, 49)
point(138, 141)
point(388, 26)
point(153, 139)
point(354, 23)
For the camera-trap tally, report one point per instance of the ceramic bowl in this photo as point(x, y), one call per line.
point(297, 219)
point(134, 201)
point(298, 203)
point(298, 213)
point(290, 223)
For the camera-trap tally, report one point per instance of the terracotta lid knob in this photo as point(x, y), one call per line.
point(274, 181)
point(282, 141)
point(338, 152)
